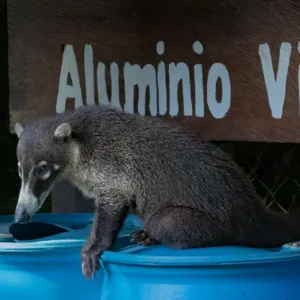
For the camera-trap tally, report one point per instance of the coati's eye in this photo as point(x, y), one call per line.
point(43, 170)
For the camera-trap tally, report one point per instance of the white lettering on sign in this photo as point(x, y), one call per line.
point(148, 77)
point(101, 85)
point(276, 85)
point(161, 81)
point(144, 77)
point(180, 72)
point(89, 74)
point(217, 109)
point(163, 93)
point(199, 88)
point(65, 91)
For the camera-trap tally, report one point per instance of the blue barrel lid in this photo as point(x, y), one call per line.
point(79, 225)
point(160, 255)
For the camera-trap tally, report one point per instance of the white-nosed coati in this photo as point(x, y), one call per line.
point(187, 192)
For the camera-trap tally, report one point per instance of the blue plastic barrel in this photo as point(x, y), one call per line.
point(218, 273)
point(50, 268)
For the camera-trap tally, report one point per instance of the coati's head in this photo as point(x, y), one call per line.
point(44, 152)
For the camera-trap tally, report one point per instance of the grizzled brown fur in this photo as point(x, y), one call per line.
point(187, 192)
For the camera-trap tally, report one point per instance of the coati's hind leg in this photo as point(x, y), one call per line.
point(182, 227)
point(143, 237)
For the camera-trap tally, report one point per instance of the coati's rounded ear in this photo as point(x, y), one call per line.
point(63, 131)
point(19, 129)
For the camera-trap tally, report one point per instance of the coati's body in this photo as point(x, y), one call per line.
point(187, 192)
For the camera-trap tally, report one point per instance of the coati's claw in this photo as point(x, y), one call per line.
point(142, 237)
point(89, 264)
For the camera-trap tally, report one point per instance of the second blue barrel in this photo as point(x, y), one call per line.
point(218, 273)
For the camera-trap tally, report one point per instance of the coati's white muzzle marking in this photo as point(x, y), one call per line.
point(27, 199)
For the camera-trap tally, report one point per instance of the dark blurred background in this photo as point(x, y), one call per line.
point(9, 180)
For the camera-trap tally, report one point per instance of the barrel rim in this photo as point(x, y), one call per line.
point(125, 257)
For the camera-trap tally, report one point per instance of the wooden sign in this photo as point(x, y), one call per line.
point(228, 70)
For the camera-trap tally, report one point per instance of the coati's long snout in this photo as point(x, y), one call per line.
point(39, 171)
point(21, 215)
point(27, 204)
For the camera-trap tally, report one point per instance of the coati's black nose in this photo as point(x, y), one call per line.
point(21, 215)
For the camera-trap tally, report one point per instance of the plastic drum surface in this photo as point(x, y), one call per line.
point(50, 268)
point(219, 273)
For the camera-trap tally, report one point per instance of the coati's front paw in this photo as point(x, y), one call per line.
point(143, 237)
point(89, 263)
